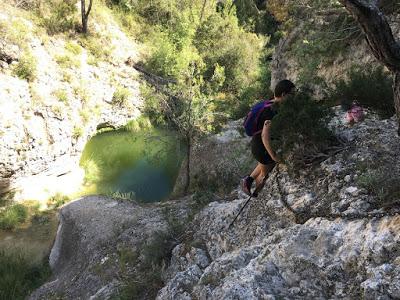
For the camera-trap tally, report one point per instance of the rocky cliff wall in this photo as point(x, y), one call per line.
point(45, 121)
point(286, 65)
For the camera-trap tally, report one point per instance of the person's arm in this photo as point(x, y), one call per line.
point(266, 139)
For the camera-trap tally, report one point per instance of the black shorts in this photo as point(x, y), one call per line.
point(259, 151)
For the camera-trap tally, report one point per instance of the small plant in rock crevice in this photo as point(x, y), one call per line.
point(26, 67)
point(384, 184)
point(121, 96)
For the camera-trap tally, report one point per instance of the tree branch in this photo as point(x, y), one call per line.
point(89, 8)
point(377, 31)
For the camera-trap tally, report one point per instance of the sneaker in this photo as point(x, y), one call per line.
point(245, 185)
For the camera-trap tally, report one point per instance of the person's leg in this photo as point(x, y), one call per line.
point(248, 180)
point(265, 170)
point(256, 171)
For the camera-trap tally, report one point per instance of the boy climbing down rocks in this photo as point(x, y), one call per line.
point(258, 125)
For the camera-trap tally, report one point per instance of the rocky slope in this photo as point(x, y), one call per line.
point(339, 240)
point(342, 241)
point(46, 119)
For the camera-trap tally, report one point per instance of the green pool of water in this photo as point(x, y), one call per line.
point(144, 163)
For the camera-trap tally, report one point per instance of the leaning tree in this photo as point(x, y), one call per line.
point(380, 39)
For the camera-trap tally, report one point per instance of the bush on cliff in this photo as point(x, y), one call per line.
point(300, 130)
point(371, 87)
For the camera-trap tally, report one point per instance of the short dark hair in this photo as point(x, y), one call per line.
point(284, 87)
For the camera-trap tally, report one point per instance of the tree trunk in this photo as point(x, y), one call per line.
point(396, 94)
point(187, 180)
point(380, 39)
point(85, 15)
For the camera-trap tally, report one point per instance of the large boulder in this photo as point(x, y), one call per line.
point(94, 237)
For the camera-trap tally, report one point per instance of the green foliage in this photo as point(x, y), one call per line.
point(12, 216)
point(255, 17)
point(57, 200)
point(383, 183)
point(217, 42)
point(26, 67)
point(138, 124)
point(95, 44)
point(152, 105)
point(73, 48)
point(19, 276)
point(15, 32)
point(61, 96)
point(300, 129)
point(321, 39)
point(68, 61)
point(182, 33)
point(126, 257)
point(168, 58)
point(121, 96)
point(370, 87)
point(155, 256)
point(77, 132)
point(130, 196)
point(85, 116)
point(63, 16)
point(202, 198)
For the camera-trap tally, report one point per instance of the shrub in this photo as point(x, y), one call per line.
point(121, 96)
point(17, 32)
point(57, 200)
point(299, 130)
point(382, 183)
point(152, 104)
point(61, 96)
point(67, 61)
point(77, 132)
point(139, 124)
point(12, 216)
point(19, 276)
point(371, 87)
point(85, 116)
point(66, 76)
point(73, 47)
point(216, 39)
point(26, 67)
point(95, 44)
point(155, 256)
point(63, 14)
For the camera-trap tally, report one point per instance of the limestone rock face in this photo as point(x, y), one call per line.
point(285, 63)
point(50, 118)
point(342, 243)
point(340, 240)
point(87, 259)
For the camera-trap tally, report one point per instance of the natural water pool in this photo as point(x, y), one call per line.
point(144, 164)
point(117, 162)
